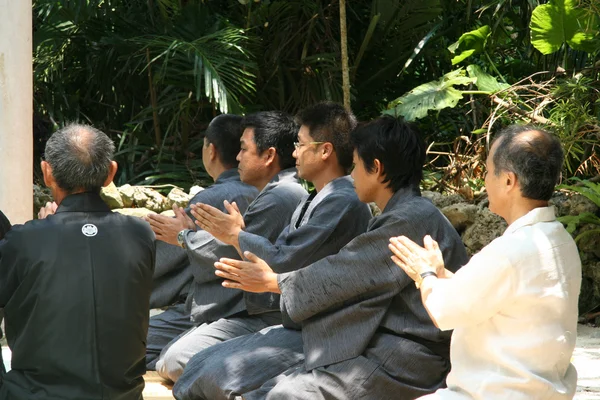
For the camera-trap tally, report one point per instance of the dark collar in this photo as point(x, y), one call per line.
point(78, 202)
point(228, 175)
point(402, 195)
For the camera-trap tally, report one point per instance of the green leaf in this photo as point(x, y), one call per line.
point(561, 21)
point(435, 95)
point(484, 81)
point(470, 43)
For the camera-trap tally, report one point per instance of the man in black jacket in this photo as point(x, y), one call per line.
point(4, 227)
point(75, 285)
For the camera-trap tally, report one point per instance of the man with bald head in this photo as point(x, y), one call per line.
point(513, 307)
point(75, 284)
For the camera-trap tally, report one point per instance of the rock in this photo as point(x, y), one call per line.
point(41, 195)
point(179, 197)
point(111, 196)
point(591, 242)
point(150, 199)
point(440, 201)
point(194, 190)
point(572, 203)
point(134, 212)
point(168, 213)
point(487, 227)
point(461, 215)
point(127, 191)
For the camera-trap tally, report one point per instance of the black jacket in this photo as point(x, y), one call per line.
point(75, 289)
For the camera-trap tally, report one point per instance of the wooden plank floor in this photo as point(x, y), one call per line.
point(156, 388)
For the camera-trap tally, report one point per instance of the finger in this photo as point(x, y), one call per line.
point(409, 244)
point(252, 257)
point(227, 275)
point(409, 271)
point(399, 250)
point(210, 211)
point(237, 209)
point(229, 207)
point(232, 285)
point(429, 243)
point(54, 206)
point(229, 265)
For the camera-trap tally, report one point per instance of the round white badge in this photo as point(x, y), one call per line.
point(89, 230)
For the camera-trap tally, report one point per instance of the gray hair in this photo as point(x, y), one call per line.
point(80, 157)
point(535, 159)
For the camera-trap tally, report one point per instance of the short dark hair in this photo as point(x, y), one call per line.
point(397, 145)
point(224, 132)
point(536, 161)
point(275, 129)
point(331, 122)
point(80, 157)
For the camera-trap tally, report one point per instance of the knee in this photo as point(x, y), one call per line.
point(170, 364)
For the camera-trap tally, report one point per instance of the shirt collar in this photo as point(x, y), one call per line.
point(540, 214)
point(86, 201)
point(228, 175)
point(401, 195)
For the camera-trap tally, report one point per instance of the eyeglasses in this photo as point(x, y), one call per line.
point(297, 145)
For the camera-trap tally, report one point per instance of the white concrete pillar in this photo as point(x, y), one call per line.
point(16, 110)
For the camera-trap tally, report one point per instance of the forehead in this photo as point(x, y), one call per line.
point(304, 134)
point(248, 136)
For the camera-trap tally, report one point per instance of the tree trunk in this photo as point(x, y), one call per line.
point(344, 45)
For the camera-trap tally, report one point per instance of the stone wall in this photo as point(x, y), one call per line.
point(472, 219)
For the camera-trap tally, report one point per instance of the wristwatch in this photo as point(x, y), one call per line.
point(181, 237)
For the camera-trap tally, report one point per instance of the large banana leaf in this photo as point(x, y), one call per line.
point(435, 95)
point(484, 81)
point(559, 22)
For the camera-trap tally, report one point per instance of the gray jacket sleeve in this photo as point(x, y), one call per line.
point(333, 223)
point(363, 266)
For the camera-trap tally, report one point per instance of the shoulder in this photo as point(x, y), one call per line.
point(133, 225)
point(285, 191)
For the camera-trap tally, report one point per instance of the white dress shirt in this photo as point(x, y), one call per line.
point(513, 309)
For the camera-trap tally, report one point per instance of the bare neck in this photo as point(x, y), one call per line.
point(329, 174)
point(521, 207)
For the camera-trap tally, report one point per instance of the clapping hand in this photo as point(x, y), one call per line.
point(253, 275)
point(223, 226)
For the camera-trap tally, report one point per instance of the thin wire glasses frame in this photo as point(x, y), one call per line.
point(297, 145)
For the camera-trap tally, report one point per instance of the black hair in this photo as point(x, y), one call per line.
point(4, 225)
point(224, 132)
point(274, 129)
point(397, 145)
point(80, 157)
point(535, 159)
point(331, 122)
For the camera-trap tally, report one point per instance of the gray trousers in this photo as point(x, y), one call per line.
point(175, 356)
point(240, 365)
point(391, 368)
point(163, 329)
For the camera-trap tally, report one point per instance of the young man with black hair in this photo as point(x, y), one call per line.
point(365, 331)
point(173, 275)
point(265, 162)
point(324, 222)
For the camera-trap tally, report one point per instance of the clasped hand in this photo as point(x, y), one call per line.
point(253, 275)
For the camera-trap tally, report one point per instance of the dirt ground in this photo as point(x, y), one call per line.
point(586, 359)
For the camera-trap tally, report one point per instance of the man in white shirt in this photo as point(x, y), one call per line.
point(513, 307)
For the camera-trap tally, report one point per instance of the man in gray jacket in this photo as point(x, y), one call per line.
point(265, 162)
point(173, 274)
point(324, 221)
point(365, 332)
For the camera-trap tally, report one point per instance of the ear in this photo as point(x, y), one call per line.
point(112, 170)
point(49, 180)
point(270, 156)
point(510, 181)
point(378, 169)
point(212, 151)
point(326, 151)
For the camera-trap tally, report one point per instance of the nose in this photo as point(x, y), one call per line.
point(295, 154)
point(238, 158)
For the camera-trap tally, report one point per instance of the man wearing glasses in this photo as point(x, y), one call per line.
point(324, 221)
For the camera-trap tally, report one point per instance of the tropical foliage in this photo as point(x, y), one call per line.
point(152, 73)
